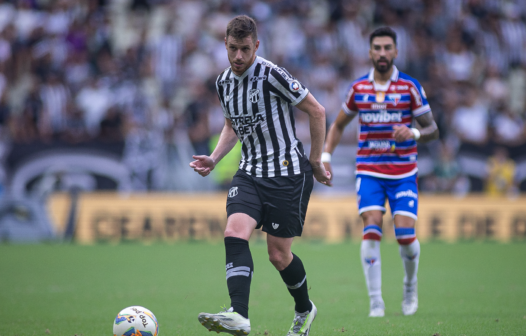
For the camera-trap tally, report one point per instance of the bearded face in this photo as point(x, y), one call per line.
point(382, 53)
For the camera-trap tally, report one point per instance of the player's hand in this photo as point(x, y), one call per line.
point(203, 164)
point(328, 168)
point(321, 175)
point(402, 133)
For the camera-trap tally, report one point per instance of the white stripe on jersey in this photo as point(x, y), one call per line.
point(259, 105)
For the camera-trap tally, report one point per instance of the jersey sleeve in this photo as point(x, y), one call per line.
point(286, 87)
point(349, 105)
point(419, 104)
point(220, 95)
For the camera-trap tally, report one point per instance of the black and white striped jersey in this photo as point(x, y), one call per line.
point(259, 104)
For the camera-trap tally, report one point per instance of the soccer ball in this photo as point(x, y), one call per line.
point(135, 321)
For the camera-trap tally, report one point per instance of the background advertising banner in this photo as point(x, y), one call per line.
point(110, 217)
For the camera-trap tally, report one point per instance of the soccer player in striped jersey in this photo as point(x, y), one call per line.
point(275, 178)
point(387, 102)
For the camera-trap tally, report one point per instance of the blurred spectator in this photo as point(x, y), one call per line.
point(470, 119)
point(501, 174)
point(94, 100)
point(55, 98)
point(448, 177)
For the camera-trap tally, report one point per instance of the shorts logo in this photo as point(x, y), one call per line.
point(407, 193)
point(411, 204)
point(232, 192)
point(254, 95)
point(294, 86)
point(275, 226)
point(285, 163)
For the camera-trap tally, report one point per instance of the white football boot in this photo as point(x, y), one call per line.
point(302, 322)
point(377, 308)
point(227, 321)
point(410, 301)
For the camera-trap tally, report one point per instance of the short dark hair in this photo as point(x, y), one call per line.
point(383, 31)
point(242, 26)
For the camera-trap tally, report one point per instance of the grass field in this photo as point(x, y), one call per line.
point(464, 289)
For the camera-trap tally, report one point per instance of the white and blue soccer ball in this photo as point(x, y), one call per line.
point(135, 321)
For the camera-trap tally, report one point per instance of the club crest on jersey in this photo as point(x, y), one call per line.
point(254, 95)
point(294, 86)
point(285, 163)
point(232, 192)
point(394, 97)
point(380, 97)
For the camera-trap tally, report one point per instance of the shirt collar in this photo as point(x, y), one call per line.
point(394, 75)
point(384, 87)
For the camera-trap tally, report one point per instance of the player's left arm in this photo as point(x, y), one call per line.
point(422, 113)
point(316, 114)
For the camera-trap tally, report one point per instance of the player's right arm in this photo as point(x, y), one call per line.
point(347, 113)
point(204, 164)
point(335, 135)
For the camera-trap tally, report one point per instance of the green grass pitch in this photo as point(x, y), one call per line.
point(464, 289)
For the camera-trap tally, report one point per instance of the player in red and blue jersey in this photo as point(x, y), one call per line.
point(387, 103)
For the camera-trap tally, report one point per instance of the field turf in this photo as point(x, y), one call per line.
point(465, 289)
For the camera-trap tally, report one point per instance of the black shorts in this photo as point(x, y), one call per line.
point(278, 204)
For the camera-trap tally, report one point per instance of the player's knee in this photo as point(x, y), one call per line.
point(372, 218)
point(278, 259)
point(232, 232)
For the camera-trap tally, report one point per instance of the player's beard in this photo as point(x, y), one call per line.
point(383, 68)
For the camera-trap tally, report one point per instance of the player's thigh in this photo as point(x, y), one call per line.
point(370, 195)
point(403, 200)
point(243, 206)
point(285, 201)
point(240, 225)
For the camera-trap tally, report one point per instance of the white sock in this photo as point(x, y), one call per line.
point(410, 255)
point(371, 263)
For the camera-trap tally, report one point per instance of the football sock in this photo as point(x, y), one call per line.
point(239, 270)
point(371, 260)
point(295, 278)
point(410, 253)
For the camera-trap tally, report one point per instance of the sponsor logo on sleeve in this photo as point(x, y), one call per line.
point(416, 95)
point(423, 93)
point(294, 86)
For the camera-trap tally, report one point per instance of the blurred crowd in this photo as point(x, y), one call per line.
point(142, 72)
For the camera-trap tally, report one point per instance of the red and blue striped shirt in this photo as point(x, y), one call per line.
point(379, 108)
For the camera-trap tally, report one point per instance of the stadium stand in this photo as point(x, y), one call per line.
point(125, 89)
